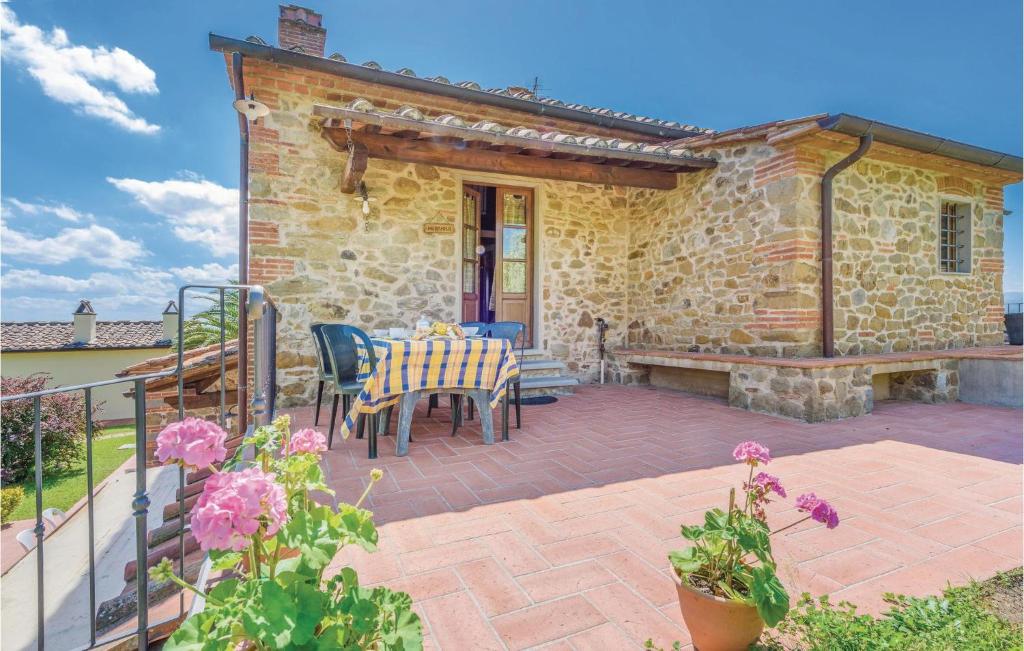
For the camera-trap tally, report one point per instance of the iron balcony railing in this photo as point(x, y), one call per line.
point(261, 312)
point(1014, 308)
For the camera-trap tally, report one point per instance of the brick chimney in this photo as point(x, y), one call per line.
point(85, 323)
point(299, 29)
point(170, 315)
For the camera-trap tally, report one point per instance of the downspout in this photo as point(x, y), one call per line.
point(243, 247)
point(828, 348)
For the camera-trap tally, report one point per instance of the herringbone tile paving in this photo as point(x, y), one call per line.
point(558, 538)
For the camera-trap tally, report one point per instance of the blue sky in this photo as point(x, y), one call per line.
point(119, 159)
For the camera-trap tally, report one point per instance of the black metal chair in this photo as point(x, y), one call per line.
point(343, 355)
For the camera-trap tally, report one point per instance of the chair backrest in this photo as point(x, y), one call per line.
point(509, 331)
point(320, 345)
point(340, 344)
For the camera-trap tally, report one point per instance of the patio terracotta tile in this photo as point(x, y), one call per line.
point(635, 616)
point(852, 566)
point(571, 521)
point(547, 621)
point(495, 590)
point(565, 580)
point(457, 623)
point(601, 638)
point(652, 584)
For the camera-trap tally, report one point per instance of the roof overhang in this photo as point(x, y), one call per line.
point(494, 148)
point(851, 125)
point(651, 129)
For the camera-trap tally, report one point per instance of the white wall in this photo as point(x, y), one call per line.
point(82, 366)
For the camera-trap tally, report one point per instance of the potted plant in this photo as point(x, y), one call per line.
point(726, 578)
point(274, 544)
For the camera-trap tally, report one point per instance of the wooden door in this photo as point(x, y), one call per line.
point(513, 268)
point(470, 260)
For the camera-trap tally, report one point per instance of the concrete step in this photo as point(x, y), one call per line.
point(548, 385)
point(541, 367)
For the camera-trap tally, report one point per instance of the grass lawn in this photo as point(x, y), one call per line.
point(62, 490)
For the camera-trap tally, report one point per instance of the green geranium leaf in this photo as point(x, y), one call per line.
point(272, 616)
point(356, 526)
point(715, 520)
point(225, 560)
point(686, 560)
point(312, 532)
point(692, 533)
point(194, 634)
point(769, 595)
point(224, 590)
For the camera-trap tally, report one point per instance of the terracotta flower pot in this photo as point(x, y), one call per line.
point(717, 624)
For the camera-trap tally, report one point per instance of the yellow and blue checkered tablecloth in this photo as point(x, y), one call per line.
point(405, 365)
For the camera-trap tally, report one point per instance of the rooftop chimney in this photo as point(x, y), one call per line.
point(171, 321)
point(299, 30)
point(85, 323)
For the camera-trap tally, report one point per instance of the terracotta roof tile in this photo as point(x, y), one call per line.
point(59, 335)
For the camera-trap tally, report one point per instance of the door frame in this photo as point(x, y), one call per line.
point(539, 205)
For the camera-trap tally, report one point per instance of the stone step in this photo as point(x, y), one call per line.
point(540, 367)
point(548, 385)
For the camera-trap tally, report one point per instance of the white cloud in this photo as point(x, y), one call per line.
point(211, 273)
point(136, 294)
point(93, 243)
point(197, 210)
point(66, 72)
point(60, 210)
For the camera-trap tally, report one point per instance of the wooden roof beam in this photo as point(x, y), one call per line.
point(482, 160)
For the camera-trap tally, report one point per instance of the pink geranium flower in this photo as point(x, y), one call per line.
point(192, 442)
point(820, 510)
point(307, 441)
point(751, 452)
point(234, 505)
point(769, 484)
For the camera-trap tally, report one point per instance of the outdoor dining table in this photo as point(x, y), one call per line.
point(407, 369)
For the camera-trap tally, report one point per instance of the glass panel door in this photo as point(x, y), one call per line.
point(514, 296)
point(470, 260)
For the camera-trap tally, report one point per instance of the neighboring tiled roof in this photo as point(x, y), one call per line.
point(609, 147)
point(517, 92)
point(198, 363)
point(57, 336)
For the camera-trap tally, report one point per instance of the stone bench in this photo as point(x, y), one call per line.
point(815, 389)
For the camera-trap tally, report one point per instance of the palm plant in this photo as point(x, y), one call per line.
point(204, 327)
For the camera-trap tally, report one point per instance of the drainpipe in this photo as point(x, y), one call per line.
point(827, 299)
point(243, 247)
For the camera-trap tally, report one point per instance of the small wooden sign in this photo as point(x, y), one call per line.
point(438, 228)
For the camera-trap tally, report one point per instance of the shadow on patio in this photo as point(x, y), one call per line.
point(561, 534)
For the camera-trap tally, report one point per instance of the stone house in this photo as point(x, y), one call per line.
point(376, 197)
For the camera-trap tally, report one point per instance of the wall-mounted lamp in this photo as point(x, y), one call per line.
point(480, 249)
point(364, 196)
point(250, 108)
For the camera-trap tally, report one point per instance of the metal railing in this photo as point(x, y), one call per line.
point(1014, 308)
point(262, 313)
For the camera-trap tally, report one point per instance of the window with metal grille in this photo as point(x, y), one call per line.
point(955, 237)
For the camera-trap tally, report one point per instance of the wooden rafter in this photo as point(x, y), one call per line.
point(354, 168)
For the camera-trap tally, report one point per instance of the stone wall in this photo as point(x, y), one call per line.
point(725, 262)
point(889, 293)
point(931, 386)
point(810, 394)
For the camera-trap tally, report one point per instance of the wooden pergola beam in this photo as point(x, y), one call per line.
point(354, 167)
point(483, 160)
